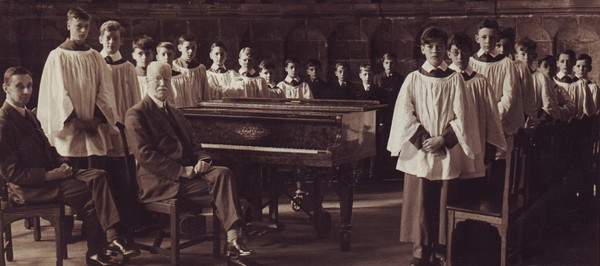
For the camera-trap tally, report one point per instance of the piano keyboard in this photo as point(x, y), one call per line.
point(258, 148)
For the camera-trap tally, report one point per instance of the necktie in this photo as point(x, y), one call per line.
point(486, 57)
point(221, 70)
point(437, 72)
point(108, 60)
point(465, 75)
point(247, 74)
point(294, 83)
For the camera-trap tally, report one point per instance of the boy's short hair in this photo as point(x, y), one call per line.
point(550, 60)
point(433, 33)
point(166, 45)
point(389, 56)
point(78, 13)
point(585, 57)
point(266, 64)
point(218, 44)
point(15, 71)
point(527, 44)
point(489, 24)
point(365, 67)
point(289, 60)
point(342, 64)
point(313, 63)
point(186, 38)
point(143, 42)
point(247, 51)
point(112, 25)
point(507, 33)
point(461, 40)
point(568, 52)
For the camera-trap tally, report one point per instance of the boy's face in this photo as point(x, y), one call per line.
point(459, 57)
point(19, 90)
point(218, 55)
point(292, 69)
point(582, 68)
point(312, 72)
point(388, 65)
point(165, 55)
point(503, 46)
point(341, 73)
point(142, 57)
point(111, 41)
point(188, 50)
point(365, 76)
point(78, 29)
point(486, 38)
point(564, 63)
point(266, 74)
point(434, 51)
point(524, 55)
point(245, 61)
point(545, 68)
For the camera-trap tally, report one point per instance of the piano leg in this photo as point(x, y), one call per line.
point(347, 179)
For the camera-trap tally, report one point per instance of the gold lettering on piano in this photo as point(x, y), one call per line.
point(252, 132)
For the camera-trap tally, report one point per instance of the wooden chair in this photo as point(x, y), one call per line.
point(176, 210)
point(9, 213)
point(499, 215)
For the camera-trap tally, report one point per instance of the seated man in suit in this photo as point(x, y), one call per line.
point(36, 173)
point(171, 166)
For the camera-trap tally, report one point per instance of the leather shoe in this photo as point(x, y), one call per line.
point(118, 246)
point(101, 259)
point(236, 249)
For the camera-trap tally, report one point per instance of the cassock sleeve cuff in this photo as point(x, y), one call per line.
point(419, 137)
point(449, 136)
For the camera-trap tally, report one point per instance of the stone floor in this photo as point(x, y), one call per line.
point(376, 221)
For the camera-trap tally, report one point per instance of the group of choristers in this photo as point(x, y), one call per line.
point(446, 122)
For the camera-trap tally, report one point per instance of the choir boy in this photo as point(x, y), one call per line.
point(143, 54)
point(219, 77)
point(194, 73)
point(366, 90)
point(125, 81)
point(502, 76)
point(390, 82)
point(431, 129)
point(583, 91)
point(249, 81)
point(555, 101)
point(524, 57)
point(292, 85)
point(316, 84)
point(76, 107)
point(165, 52)
point(506, 42)
point(342, 88)
point(565, 62)
point(266, 70)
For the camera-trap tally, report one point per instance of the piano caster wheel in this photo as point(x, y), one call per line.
point(345, 241)
point(323, 224)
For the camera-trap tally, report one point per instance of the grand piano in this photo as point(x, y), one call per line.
point(332, 135)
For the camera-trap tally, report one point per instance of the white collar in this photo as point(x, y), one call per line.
point(21, 110)
point(562, 75)
point(468, 70)
point(342, 83)
point(115, 57)
point(289, 79)
point(244, 70)
point(481, 52)
point(160, 104)
point(214, 67)
point(365, 86)
point(429, 67)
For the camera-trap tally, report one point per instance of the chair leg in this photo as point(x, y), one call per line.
point(9, 244)
point(216, 235)
point(449, 231)
point(2, 231)
point(37, 229)
point(502, 247)
point(174, 236)
point(59, 236)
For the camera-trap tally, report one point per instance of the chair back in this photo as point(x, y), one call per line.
point(514, 196)
point(130, 166)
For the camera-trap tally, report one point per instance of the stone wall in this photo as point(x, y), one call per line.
point(357, 31)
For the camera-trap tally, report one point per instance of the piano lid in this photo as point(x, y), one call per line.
point(312, 105)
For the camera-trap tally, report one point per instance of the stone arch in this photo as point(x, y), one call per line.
point(348, 43)
point(306, 43)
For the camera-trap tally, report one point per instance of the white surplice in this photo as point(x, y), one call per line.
point(502, 76)
point(433, 103)
point(253, 87)
point(77, 81)
point(220, 85)
point(526, 85)
point(126, 87)
point(301, 91)
point(194, 87)
point(582, 98)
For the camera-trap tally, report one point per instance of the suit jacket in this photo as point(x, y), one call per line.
point(158, 149)
point(25, 156)
point(337, 92)
point(374, 94)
